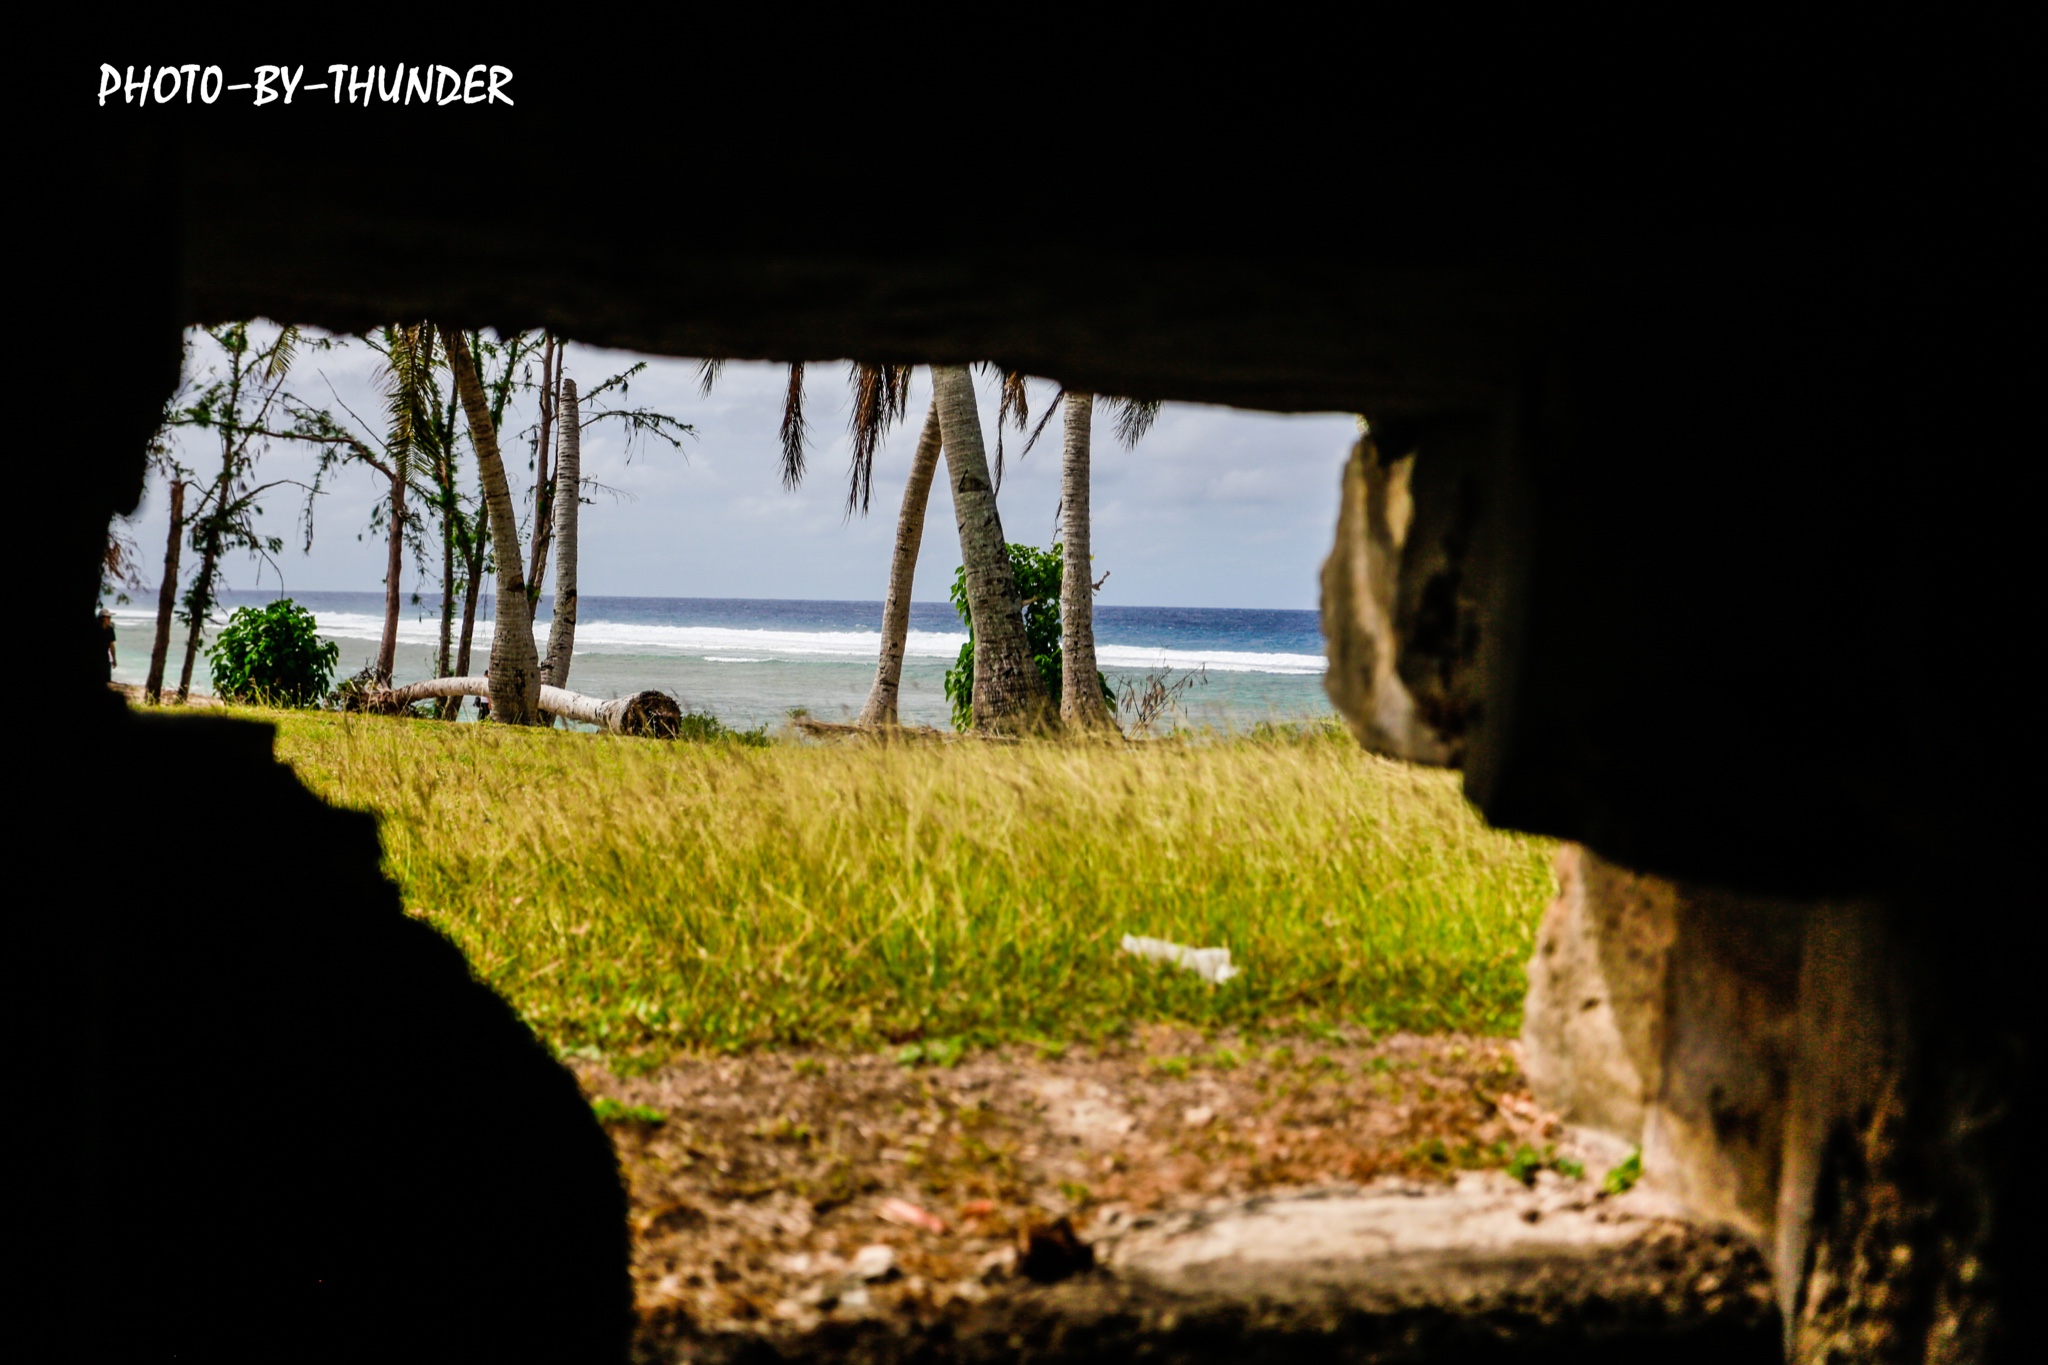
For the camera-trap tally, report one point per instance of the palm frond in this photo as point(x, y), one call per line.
point(1058, 401)
point(408, 394)
point(1134, 417)
point(282, 352)
point(793, 428)
point(898, 377)
point(1013, 404)
point(880, 398)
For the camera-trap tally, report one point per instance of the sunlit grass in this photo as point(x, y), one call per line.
point(644, 898)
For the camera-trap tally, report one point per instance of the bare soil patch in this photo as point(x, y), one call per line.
point(763, 1184)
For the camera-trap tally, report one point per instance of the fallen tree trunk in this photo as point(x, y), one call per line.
point(651, 714)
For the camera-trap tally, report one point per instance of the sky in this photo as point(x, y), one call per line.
point(1215, 507)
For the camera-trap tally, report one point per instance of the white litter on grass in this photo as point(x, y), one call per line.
point(1211, 964)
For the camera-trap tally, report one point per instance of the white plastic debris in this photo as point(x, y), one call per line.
point(873, 1262)
point(1211, 964)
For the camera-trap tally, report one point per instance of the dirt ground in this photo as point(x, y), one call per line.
point(761, 1185)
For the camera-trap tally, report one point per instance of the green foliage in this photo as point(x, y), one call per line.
point(1323, 730)
point(1038, 586)
point(274, 655)
point(1623, 1177)
point(611, 1111)
point(705, 728)
point(1527, 1161)
point(945, 1052)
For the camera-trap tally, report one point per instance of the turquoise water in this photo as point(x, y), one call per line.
point(751, 661)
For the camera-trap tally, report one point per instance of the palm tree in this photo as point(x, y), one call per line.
point(166, 595)
point(1008, 693)
point(568, 499)
point(473, 533)
point(558, 491)
point(1080, 697)
point(515, 664)
point(1081, 701)
point(924, 463)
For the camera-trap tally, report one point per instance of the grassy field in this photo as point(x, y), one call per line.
point(636, 899)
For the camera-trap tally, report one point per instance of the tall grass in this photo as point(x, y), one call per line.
point(644, 898)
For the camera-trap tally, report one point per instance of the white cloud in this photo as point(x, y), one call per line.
point(1215, 507)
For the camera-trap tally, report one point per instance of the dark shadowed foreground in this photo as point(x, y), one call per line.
point(301, 1130)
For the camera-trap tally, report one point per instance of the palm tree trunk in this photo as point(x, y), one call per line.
point(1080, 690)
point(473, 571)
point(166, 598)
point(917, 494)
point(515, 665)
point(568, 480)
point(543, 485)
point(394, 563)
point(442, 655)
point(1008, 693)
point(202, 602)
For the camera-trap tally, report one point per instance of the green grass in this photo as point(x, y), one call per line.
point(635, 899)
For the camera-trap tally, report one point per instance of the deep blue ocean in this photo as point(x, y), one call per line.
point(752, 661)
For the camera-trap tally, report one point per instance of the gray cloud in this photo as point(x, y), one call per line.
point(1215, 507)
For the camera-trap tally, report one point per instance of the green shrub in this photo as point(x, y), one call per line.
point(273, 655)
point(1038, 587)
point(704, 727)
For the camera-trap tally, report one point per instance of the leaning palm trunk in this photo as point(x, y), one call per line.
point(1008, 693)
point(166, 598)
point(652, 714)
point(202, 603)
point(394, 564)
point(1080, 690)
point(515, 664)
point(881, 707)
point(568, 482)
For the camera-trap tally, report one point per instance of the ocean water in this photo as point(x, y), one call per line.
point(751, 661)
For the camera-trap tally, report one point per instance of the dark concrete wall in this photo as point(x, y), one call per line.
point(1719, 570)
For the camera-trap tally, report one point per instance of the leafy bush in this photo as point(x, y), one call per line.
point(703, 727)
point(1038, 584)
point(272, 655)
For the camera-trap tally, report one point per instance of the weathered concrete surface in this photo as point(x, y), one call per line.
point(1489, 1270)
point(1788, 1071)
point(1665, 1016)
point(1593, 1023)
point(1481, 1240)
